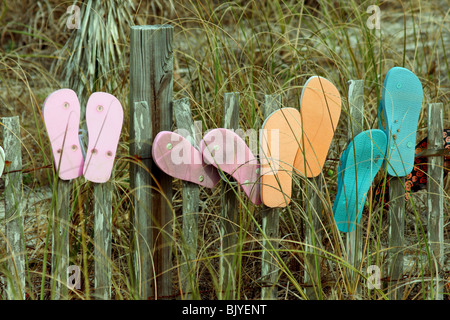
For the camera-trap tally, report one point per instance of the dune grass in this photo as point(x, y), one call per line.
point(252, 47)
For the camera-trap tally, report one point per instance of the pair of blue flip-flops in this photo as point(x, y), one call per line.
point(392, 147)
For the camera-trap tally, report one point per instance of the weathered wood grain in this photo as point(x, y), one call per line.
point(229, 209)
point(356, 126)
point(13, 208)
point(396, 235)
point(435, 194)
point(191, 202)
point(102, 239)
point(270, 227)
point(140, 183)
point(60, 239)
point(151, 83)
point(313, 238)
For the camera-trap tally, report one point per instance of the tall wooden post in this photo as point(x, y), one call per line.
point(151, 82)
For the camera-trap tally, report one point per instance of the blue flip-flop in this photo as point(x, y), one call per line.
point(359, 163)
point(400, 104)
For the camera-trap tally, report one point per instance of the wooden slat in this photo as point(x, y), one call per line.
point(102, 239)
point(191, 201)
point(13, 208)
point(356, 126)
point(60, 240)
point(313, 238)
point(270, 227)
point(229, 210)
point(396, 235)
point(435, 193)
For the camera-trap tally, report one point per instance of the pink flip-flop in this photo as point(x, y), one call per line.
point(104, 119)
point(178, 158)
point(61, 113)
point(228, 152)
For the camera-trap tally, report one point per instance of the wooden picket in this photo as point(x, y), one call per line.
point(191, 202)
point(270, 227)
point(151, 111)
point(229, 210)
point(435, 199)
point(13, 208)
point(355, 126)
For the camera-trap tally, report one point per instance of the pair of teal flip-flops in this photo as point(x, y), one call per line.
point(393, 146)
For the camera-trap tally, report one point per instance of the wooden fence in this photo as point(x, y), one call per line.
point(151, 111)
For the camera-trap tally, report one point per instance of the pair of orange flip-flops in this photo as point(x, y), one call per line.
point(298, 140)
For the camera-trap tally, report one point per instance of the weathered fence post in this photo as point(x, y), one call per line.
point(396, 234)
point(435, 196)
point(13, 208)
point(228, 214)
point(356, 126)
point(270, 227)
point(313, 237)
point(60, 239)
point(151, 82)
point(191, 201)
point(102, 239)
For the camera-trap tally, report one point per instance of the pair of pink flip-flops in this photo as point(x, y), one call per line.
point(221, 150)
point(104, 118)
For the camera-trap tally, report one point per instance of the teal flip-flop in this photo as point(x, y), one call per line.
point(400, 104)
point(359, 163)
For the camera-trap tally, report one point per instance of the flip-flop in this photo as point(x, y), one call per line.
point(280, 140)
point(61, 111)
point(104, 119)
point(320, 111)
point(400, 104)
point(228, 152)
point(178, 158)
point(359, 164)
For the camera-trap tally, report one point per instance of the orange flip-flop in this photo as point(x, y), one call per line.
point(280, 139)
point(320, 109)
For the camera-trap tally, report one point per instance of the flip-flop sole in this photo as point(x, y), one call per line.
point(228, 152)
point(280, 139)
point(320, 111)
point(359, 164)
point(104, 119)
point(178, 158)
point(401, 104)
point(61, 111)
